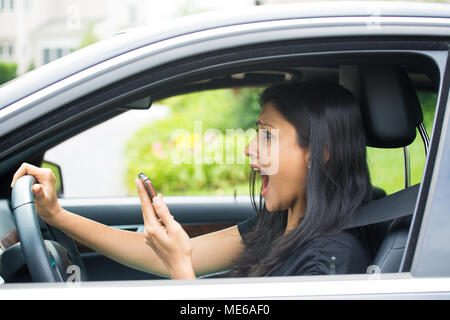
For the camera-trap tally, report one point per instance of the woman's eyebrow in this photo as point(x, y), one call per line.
point(263, 124)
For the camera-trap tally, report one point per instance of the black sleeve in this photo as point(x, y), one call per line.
point(247, 225)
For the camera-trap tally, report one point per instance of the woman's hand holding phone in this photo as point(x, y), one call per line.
point(165, 235)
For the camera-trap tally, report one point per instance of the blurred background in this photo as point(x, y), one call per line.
point(36, 32)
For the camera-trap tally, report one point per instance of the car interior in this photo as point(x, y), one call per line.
point(386, 86)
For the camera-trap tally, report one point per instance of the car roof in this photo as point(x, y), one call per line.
point(132, 39)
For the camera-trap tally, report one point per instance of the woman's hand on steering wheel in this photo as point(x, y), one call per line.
point(45, 198)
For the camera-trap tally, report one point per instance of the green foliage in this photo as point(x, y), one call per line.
point(220, 109)
point(247, 108)
point(8, 71)
point(193, 151)
point(31, 66)
point(89, 37)
point(153, 148)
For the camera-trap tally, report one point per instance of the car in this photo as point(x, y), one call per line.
point(384, 52)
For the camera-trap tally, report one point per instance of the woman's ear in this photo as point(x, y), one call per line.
point(327, 153)
point(307, 159)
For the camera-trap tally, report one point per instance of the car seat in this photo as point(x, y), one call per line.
point(391, 113)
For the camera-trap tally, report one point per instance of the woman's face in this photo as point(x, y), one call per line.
point(280, 160)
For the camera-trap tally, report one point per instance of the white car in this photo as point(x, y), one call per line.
point(382, 51)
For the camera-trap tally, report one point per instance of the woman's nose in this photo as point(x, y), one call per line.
point(251, 150)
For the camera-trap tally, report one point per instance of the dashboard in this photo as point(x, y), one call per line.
point(12, 264)
point(8, 233)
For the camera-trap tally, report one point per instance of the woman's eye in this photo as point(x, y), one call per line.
point(266, 133)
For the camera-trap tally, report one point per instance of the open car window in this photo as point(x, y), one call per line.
point(184, 146)
point(181, 143)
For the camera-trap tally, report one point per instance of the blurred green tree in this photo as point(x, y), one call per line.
point(8, 71)
point(152, 148)
point(89, 37)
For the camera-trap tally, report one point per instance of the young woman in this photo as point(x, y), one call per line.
point(321, 178)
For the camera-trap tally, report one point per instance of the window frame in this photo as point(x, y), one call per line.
point(108, 98)
point(419, 244)
point(105, 103)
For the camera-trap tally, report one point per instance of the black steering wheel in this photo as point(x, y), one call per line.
point(48, 260)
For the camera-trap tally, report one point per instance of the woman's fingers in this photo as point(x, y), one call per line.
point(42, 175)
point(148, 213)
point(152, 212)
point(166, 237)
point(46, 200)
point(38, 191)
point(23, 170)
point(163, 212)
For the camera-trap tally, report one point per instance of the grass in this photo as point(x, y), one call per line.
point(386, 166)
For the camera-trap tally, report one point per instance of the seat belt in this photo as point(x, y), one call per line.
point(396, 205)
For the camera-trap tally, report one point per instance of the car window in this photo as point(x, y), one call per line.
point(186, 149)
point(191, 144)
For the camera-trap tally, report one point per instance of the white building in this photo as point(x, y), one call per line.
point(35, 32)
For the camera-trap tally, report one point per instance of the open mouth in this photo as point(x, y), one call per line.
point(265, 180)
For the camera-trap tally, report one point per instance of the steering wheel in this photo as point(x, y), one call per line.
point(47, 260)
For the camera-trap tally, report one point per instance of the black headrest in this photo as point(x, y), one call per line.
point(390, 107)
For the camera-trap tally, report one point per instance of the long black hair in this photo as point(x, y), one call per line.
point(328, 122)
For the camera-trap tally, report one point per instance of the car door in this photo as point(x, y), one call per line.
point(68, 115)
point(421, 260)
point(198, 214)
